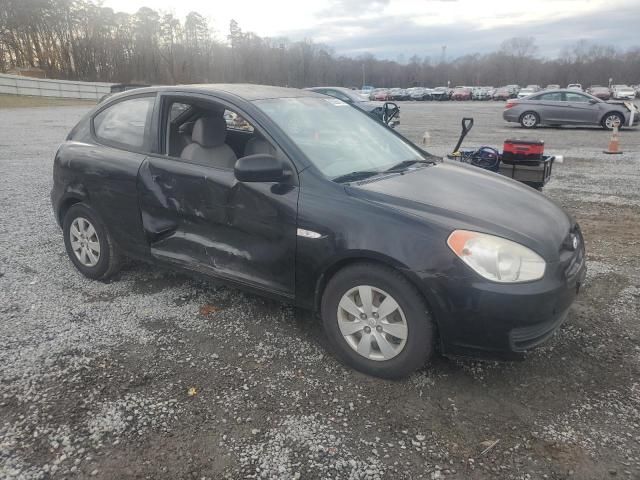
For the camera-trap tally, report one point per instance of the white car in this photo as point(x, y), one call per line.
point(525, 92)
point(623, 92)
point(480, 93)
point(575, 86)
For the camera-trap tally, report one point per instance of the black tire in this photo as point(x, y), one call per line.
point(109, 259)
point(527, 115)
point(604, 120)
point(419, 343)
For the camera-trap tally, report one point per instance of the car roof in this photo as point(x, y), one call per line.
point(245, 91)
point(560, 90)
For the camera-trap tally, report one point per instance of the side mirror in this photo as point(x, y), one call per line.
point(592, 101)
point(259, 168)
point(389, 112)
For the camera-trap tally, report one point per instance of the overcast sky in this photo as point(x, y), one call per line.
point(397, 29)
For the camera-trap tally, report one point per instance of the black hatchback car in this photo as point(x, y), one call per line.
point(306, 199)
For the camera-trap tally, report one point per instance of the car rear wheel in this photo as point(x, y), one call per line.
point(89, 244)
point(529, 119)
point(376, 321)
point(611, 119)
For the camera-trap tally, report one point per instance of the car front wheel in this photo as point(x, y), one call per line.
point(89, 244)
point(376, 321)
point(612, 119)
point(529, 119)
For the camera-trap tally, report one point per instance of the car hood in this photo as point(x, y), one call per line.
point(454, 196)
point(623, 105)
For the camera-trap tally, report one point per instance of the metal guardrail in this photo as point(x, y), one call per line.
point(41, 87)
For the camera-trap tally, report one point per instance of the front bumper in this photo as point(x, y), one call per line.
point(485, 319)
point(509, 115)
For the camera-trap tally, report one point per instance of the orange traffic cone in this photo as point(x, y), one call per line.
point(614, 143)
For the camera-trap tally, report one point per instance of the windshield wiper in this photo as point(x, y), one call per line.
point(354, 176)
point(402, 166)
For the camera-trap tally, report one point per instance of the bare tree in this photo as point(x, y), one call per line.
point(79, 39)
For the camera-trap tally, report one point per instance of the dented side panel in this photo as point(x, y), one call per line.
point(203, 218)
point(105, 178)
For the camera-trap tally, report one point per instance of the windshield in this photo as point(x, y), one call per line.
point(337, 138)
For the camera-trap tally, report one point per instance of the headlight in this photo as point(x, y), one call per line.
point(495, 258)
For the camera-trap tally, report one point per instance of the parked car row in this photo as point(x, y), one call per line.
point(616, 92)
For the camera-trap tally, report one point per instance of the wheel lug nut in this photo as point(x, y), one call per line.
point(379, 328)
point(367, 330)
point(363, 316)
point(375, 314)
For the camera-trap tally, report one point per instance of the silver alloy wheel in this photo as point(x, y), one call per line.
point(84, 242)
point(529, 120)
point(372, 323)
point(611, 121)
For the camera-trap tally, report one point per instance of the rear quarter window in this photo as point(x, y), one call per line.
point(124, 123)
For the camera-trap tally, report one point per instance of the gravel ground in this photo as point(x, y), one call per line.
point(157, 375)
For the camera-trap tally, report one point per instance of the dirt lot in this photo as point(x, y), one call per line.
point(21, 101)
point(95, 377)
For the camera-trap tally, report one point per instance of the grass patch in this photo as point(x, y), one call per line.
point(24, 101)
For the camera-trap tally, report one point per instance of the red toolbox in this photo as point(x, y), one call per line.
point(528, 152)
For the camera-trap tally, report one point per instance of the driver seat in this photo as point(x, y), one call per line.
point(208, 147)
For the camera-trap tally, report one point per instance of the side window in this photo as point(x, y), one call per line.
point(124, 123)
point(236, 122)
point(551, 97)
point(207, 133)
point(576, 97)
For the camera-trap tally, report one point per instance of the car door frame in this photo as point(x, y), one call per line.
point(159, 153)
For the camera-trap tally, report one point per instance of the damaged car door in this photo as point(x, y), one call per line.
point(198, 215)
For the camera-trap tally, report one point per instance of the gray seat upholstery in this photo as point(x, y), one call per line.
point(208, 147)
point(258, 145)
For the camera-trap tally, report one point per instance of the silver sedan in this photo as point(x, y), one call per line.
point(569, 107)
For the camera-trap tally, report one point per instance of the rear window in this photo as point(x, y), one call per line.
point(124, 123)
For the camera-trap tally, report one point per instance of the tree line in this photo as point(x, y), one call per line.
point(78, 39)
